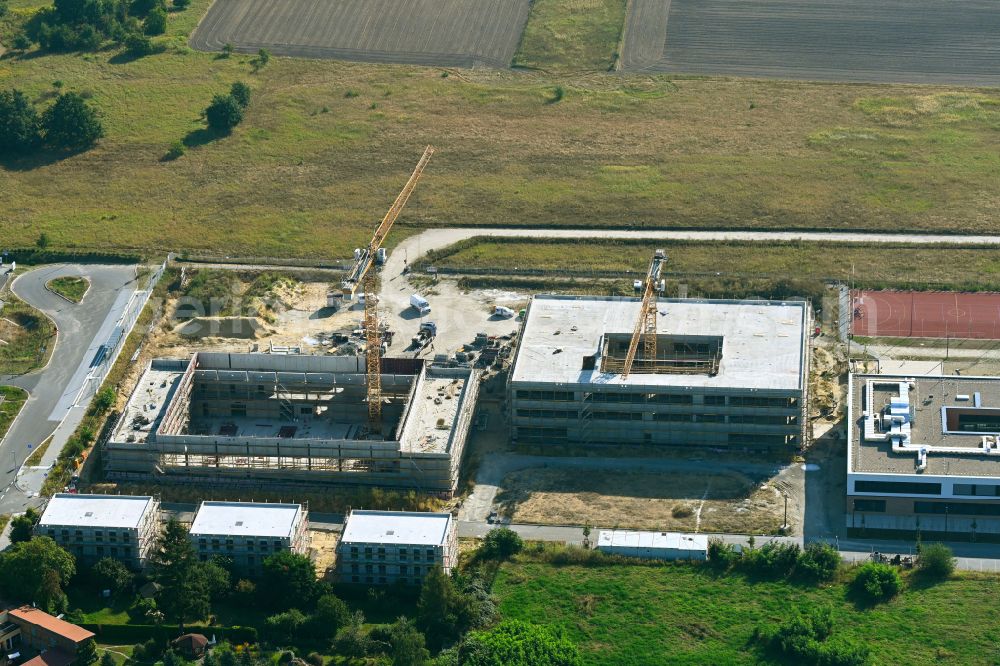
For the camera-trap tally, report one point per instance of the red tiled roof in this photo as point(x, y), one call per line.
point(40, 618)
point(54, 657)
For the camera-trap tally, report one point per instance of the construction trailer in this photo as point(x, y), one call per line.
point(726, 374)
point(293, 421)
point(653, 545)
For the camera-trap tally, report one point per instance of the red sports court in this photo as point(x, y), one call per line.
point(925, 314)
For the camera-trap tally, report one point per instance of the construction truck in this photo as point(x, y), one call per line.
point(424, 336)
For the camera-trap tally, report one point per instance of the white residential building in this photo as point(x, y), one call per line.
point(249, 532)
point(384, 547)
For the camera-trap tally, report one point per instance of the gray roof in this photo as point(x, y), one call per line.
point(246, 519)
point(763, 341)
point(397, 528)
point(120, 511)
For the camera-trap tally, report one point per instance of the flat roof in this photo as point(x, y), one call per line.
point(397, 528)
point(763, 342)
point(926, 398)
point(121, 511)
point(433, 414)
point(246, 519)
point(654, 540)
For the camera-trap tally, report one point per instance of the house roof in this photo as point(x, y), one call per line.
point(40, 618)
point(53, 657)
point(191, 641)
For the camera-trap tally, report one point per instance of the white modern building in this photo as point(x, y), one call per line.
point(924, 456)
point(726, 374)
point(91, 527)
point(249, 532)
point(653, 545)
point(383, 547)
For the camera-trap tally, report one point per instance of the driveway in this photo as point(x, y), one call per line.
point(53, 388)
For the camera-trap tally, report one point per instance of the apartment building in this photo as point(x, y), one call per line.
point(385, 547)
point(249, 532)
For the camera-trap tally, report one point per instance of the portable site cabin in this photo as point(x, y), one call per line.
point(653, 545)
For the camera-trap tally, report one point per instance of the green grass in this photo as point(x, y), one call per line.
point(962, 266)
point(634, 151)
point(627, 615)
point(70, 288)
point(571, 35)
point(29, 336)
point(13, 400)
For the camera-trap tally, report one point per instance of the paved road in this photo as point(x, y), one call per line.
point(80, 329)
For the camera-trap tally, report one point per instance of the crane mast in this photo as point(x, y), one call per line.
point(363, 274)
point(645, 326)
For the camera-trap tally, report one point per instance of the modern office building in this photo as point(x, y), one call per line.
point(924, 456)
point(384, 547)
point(91, 527)
point(289, 422)
point(727, 374)
point(249, 532)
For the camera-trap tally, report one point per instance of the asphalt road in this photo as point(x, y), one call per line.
point(443, 33)
point(53, 388)
point(893, 41)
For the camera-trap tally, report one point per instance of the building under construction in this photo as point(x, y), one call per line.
point(723, 374)
point(293, 421)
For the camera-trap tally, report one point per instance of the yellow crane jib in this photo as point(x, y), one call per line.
point(362, 273)
point(645, 325)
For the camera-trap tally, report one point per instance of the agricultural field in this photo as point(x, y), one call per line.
point(70, 288)
point(325, 146)
point(572, 35)
point(443, 33)
point(26, 337)
point(965, 267)
point(628, 615)
point(911, 42)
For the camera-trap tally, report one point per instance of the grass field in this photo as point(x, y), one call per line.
point(957, 266)
point(27, 337)
point(571, 35)
point(325, 147)
point(11, 401)
point(636, 615)
point(70, 288)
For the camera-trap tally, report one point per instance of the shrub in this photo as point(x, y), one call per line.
point(501, 543)
point(241, 93)
point(877, 582)
point(936, 561)
point(103, 401)
point(138, 45)
point(818, 562)
point(314, 659)
point(223, 114)
point(182, 4)
point(807, 640)
point(721, 555)
point(773, 559)
point(155, 22)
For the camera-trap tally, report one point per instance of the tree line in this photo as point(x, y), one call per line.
point(69, 123)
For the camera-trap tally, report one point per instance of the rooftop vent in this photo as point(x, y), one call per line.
point(390, 532)
point(89, 514)
point(239, 523)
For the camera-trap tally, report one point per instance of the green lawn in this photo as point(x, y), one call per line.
point(637, 615)
point(27, 336)
point(70, 288)
point(11, 401)
point(325, 147)
point(964, 266)
point(572, 35)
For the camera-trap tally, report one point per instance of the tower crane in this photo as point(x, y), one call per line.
point(362, 274)
point(645, 326)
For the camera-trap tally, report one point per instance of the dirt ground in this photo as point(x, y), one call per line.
point(323, 551)
point(727, 502)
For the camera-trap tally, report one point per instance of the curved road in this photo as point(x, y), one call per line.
point(53, 388)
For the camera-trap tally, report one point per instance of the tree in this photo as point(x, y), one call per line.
point(934, 561)
point(407, 643)
point(216, 579)
point(86, 654)
point(241, 93)
point(877, 582)
point(501, 543)
point(155, 22)
point(107, 659)
point(32, 567)
point(184, 594)
point(110, 574)
point(330, 615)
point(71, 124)
point(138, 45)
point(285, 626)
point(223, 114)
point(289, 580)
point(263, 57)
point(517, 643)
point(22, 526)
point(20, 126)
point(444, 612)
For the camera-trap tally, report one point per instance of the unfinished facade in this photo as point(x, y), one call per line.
point(924, 457)
point(726, 374)
point(293, 421)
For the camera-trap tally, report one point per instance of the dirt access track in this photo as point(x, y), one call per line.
point(443, 33)
point(898, 41)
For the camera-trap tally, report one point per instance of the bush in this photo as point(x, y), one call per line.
point(807, 640)
point(773, 559)
point(877, 582)
point(285, 626)
point(223, 114)
point(314, 659)
point(155, 22)
point(103, 401)
point(721, 555)
point(818, 562)
point(182, 4)
point(138, 45)
point(936, 561)
point(501, 543)
point(241, 93)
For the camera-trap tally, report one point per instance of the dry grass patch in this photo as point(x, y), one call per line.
point(726, 502)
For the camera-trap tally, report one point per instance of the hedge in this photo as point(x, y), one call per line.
point(130, 634)
point(35, 256)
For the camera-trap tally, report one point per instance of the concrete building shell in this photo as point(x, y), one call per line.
point(293, 421)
